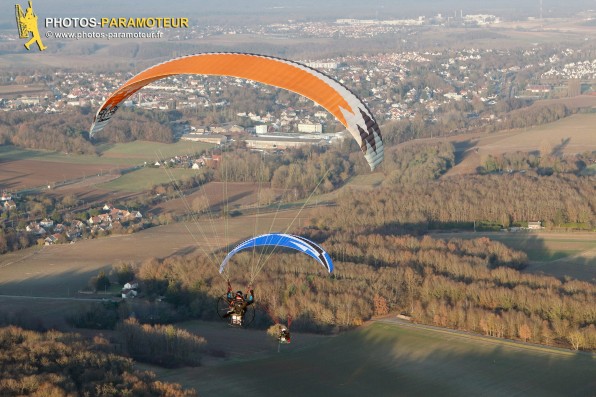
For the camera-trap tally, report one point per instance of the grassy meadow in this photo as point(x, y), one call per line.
point(152, 151)
point(110, 154)
point(145, 178)
point(10, 153)
point(24, 169)
point(392, 359)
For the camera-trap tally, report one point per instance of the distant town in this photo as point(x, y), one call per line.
point(404, 85)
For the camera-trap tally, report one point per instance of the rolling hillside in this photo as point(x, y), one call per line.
point(571, 135)
point(396, 359)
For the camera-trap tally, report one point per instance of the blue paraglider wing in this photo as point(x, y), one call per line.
point(283, 240)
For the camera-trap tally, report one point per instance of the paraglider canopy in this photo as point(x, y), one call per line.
point(289, 75)
point(297, 243)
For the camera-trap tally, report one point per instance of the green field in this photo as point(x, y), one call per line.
point(146, 178)
point(131, 153)
point(151, 151)
point(13, 153)
point(589, 170)
point(390, 359)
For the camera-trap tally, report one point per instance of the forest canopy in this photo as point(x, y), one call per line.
point(63, 364)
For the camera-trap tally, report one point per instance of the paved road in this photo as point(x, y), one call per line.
point(53, 298)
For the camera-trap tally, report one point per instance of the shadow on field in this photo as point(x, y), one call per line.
point(8, 185)
point(44, 301)
point(230, 201)
point(437, 363)
point(183, 251)
point(55, 285)
point(559, 149)
point(7, 157)
point(392, 360)
point(461, 149)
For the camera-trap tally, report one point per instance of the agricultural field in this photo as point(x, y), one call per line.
point(23, 90)
point(571, 135)
point(145, 178)
point(61, 270)
point(387, 359)
point(553, 253)
point(241, 196)
point(22, 169)
point(152, 151)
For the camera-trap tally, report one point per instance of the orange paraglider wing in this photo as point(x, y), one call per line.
point(289, 75)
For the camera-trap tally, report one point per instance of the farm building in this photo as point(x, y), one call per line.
point(281, 142)
point(534, 225)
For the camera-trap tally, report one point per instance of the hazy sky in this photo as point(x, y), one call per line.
point(289, 9)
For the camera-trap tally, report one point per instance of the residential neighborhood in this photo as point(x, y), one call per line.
point(49, 232)
point(404, 84)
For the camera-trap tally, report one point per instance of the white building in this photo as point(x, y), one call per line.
point(261, 129)
point(535, 225)
point(310, 128)
point(322, 65)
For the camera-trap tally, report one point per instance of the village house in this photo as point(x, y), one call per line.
point(207, 161)
point(130, 290)
point(36, 229)
point(46, 223)
point(101, 228)
point(78, 224)
point(52, 239)
point(99, 219)
point(73, 233)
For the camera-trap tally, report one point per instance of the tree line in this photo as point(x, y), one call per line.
point(68, 131)
point(297, 172)
point(462, 118)
point(505, 199)
point(63, 364)
point(163, 345)
point(546, 163)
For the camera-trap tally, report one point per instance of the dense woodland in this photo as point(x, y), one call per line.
point(417, 163)
point(297, 172)
point(68, 131)
point(556, 200)
point(163, 345)
point(59, 364)
point(472, 285)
